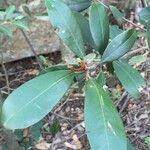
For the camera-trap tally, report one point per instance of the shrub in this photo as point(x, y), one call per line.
point(29, 103)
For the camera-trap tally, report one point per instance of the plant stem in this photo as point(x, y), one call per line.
point(32, 49)
point(125, 19)
point(144, 3)
point(135, 25)
point(134, 52)
point(5, 72)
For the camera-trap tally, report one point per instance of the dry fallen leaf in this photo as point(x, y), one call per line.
point(70, 146)
point(42, 145)
point(76, 141)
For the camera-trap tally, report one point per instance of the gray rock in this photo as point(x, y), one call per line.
point(42, 37)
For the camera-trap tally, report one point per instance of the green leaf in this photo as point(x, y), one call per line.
point(78, 5)
point(117, 14)
point(2, 15)
point(19, 135)
point(137, 59)
point(35, 130)
point(130, 146)
point(1, 109)
point(44, 61)
point(54, 68)
point(119, 46)
point(103, 124)
point(101, 79)
point(90, 57)
point(27, 145)
point(80, 79)
point(29, 103)
point(69, 31)
point(99, 26)
point(147, 141)
point(55, 127)
point(114, 31)
point(85, 29)
point(6, 31)
point(9, 11)
point(144, 16)
point(129, 77)
point(21, 23)
point(110, 67)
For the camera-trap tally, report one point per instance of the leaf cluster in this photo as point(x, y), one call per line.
point(33, 100)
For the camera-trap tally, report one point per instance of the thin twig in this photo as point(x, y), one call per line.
point(67, 118)
point(61, 106)
point(32, 49)
point(5, 72)
point(135, 25)
point(134, 52)
point(125, 19)
point(144, 3)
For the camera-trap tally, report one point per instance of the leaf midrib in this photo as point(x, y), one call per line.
point(103, 114)
point(33, 99)
point(134, 81)
point(70, 31)
point(102, 29)
point(116, 49)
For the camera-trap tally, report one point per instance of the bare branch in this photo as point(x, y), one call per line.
point(32, 49)
point(144, 3)
point(125, 19)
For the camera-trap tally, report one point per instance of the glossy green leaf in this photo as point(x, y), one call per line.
point(85, 29)
point(69, 31)
point(119, 46)
point(6, 31)
point(129, 77)
point(9, 11)
point(103, 124)
point(21, 23)
point(78, 5)
point(99, 26)
point(33, 100)
point(80, 79)
point(117, 14)
point(144, 16)
point(114, 31)
point(101, 79)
